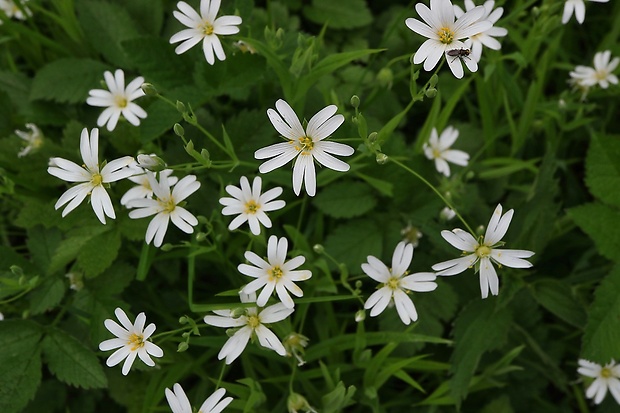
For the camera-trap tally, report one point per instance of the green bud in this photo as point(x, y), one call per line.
point(186, 334)
point(431, 92)
point(167, 247)
point(178, 130)
point(183, 346)
point(183, 320)
point(360, 315)
point(201, 236)
point(205, 154)
point(318, 248)
point(372, 138)
point(151, 162)
point(355, 101)
point(17, 270)
point(237, 312)
point(181, 107)
point(358, 284)
point(434, 80)
point(297, 403)
point(382, 158)
point(149, 89)
point(385, 77)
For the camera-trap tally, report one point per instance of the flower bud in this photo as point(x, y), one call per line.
point(149, 89)
point(182, 347)
point(181, 107)
point(372, 138)
point(318, 248)
point(431, 92)
point(385, 77)
point(151, 162)
point(167, 247)
point(297, 403)
point(360, 315)
point(433, 80)
point(447, 214)
point(382, 158)
point(355, 101)
point(178, 130)
point(201, 236)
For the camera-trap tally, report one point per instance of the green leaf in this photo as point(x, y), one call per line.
point(479, 328)
point(47, 295)
point(602, 334)
point(71, 362)
point(67, 80)
point(341, 14)
point(557, 297)
point(352, 242)
point(69, 248)
point(42, 243)
point(338, 398)
point(99, 253)
point(345, 200)
point(20, 363)
point(603, 169)
point(37, 212)
point(600, 222)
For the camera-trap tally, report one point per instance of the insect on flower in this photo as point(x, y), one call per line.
point(459, 53)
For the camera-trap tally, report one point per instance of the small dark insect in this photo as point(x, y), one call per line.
point(458, 53)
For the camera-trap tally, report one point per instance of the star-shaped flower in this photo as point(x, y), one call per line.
point(487, 37)
point(179, 403)
point(396, 284)
point(143, 188)
point(438, 148)
point(118, 100)
point(252, 322)
point(249, 205)
point(605, 377)
point(12, 10)
point(307, 146)
point(204, 26)
point(444, 34)
point(275, 273)
point(601, 74)
point(34, 139)
point(91, 176)
point(577, 6)
point(483, 252)
point(132, 341)
point(165, 207)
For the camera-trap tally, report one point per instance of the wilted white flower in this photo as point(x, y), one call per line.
point(295, 345)
point(244, 47)
point(411, 235)
point(204, 26)
point(132, 341)
point(179, 403)
point(396, 284)
point(165, 207)
point(444, 34)
point(249, 205)
point(118, 100)
point(297, 403)
point(91, 176)
point(483, 252)
point(584, 77)
point(10, 8)
point(579, 7)
point(75, 281)
point(487, 37)
point(151, 162)
point(438, 149)
point(252, 322)
point(275, 273)
point(605, 377)
point(309, 145)
point(34, 139)
point(143, 188)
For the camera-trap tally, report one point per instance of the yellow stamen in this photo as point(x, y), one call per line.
point(306, 145)
point(168, 204)
point(251, 207)
point(136, 341)
point(446, 35)
point(393, 283)
point(606, 372)
point(96, 179)
point(275, 273)
point(483, 251)
point(207, 29)
point(121, 101)
point(253, 321)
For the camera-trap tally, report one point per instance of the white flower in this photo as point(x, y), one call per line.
point(143, 188)
point(483, 252)
point(438, 148)
point(275, 273)
point(396, 283)
point(487, 37)
point(92, 178)
point(447, 214)
point(585, 77)
point(251, 322)
point(34, 139)
point(250, 205)
point(179, 403)
point(579, 7)
point(444, 34)
point(118, 100)
point(204, 26)
point(308, 144)
point(606, 377)
point(165, 207)
point(9, 7)
point(131, 341)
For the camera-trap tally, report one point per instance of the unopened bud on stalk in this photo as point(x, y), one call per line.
point(382, 158)
point(178, 130)
point(181, 107)
point(149, 89)
point(431, 92)
point(318, 248)
point(355, 101)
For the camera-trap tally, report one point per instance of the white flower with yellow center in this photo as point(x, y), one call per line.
point(601, 74)
point(118, 100)
point(251, 322)
point(577, 6)
point(131, 342)
point(165, 207)
point(438, 149)
point(305, 145)
point(179, 403)
point(92, 177)
point(34, 139)
point(250, 205)
point(274, 274)
point(483, 252)
point(444, 34)
point(143, 188)
point(605, 377)
point(487, 37)
point(10, 8)
point(396, 284)
point(204, 26)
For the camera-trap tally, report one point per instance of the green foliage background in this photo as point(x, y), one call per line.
point(535, 147)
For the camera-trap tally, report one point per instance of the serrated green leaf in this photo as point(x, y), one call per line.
point(345, 200)
point(42, 243)
point(556, 296)
point(67, 80)
point(20, 363)
point(352, 242)
point(47, 295)
point(99, 252)
point(602, 334)
point(600, 222)
point(71, 362)
point(341, 14)
point(113, 280)
point(70, 247)
point(479, 328)
point(603, 169)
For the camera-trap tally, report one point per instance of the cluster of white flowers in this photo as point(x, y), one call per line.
point(584, 77)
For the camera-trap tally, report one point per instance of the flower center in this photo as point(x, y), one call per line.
point(606, 373)
point(306, 145)
point(446, 35)
point(253, 321)
point(393, 283)
point(275, 273)
point(168, 204)
point(120, 101)
point(601, 74)
point(136, 341)
point(96, 179)
point(251, 207)
point(482, 251)
point(207, 29)
point(436, 153)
